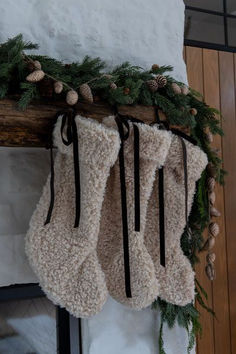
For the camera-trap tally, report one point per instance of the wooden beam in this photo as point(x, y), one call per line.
point(33, 126)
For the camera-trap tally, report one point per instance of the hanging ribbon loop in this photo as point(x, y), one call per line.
point(68, 120)
point(123, 122)
point(182, 136)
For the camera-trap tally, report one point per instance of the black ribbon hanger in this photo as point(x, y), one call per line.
point(122, 124)
point(68, 120)
point(182, 136)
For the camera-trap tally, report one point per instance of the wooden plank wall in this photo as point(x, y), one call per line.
point(213, 73)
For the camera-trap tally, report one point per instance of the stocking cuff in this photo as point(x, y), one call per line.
point(98, 143)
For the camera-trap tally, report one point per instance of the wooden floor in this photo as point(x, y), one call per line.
point(213, 73)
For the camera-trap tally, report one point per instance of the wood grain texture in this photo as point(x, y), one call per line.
point(227, 93)
point(220, 284)
point(205, 344)
point(33, 126)
point(214, 75)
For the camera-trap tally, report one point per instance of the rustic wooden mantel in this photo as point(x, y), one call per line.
point(32, 127)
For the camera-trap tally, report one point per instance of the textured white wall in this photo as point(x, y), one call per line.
point(142, 32)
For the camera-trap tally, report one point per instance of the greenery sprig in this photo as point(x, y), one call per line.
point(127, 84)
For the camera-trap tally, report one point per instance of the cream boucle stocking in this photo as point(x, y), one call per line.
point(154, 145)
point(176, 279)
point(63, 257)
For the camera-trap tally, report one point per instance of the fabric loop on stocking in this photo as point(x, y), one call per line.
point(124, 136)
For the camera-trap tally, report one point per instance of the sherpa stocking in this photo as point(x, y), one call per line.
point(176, 278)
point(128, 267)
point(64, 257)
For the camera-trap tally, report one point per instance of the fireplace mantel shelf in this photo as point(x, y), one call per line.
point(33, 127)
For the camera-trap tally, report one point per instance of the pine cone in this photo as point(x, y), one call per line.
point(72, 97)
point(210, 137)
point(58, 87)
point(212, 198)
point(152, 85)
point(214, 229)
point(176, 88)
point(214, 212)
point(193, 111)
point(209, 244)
point(37, 65)
point(161, 80)
point(86, 93)
point(126, 90)
point(155, 67)
point(185, 90)
point(211, 257)
point(211, 184)
point(113, 86)
point(35, 76)
point(210, 271)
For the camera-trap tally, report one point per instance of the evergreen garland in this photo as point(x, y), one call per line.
point(14, 67)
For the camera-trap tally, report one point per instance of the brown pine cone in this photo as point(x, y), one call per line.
point(126, 90)
point(155, 67)
point(152, 85)
point(161, 80)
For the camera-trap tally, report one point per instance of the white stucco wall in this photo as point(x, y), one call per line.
point(142, 32)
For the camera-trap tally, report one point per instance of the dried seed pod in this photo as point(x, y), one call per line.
point(72, 97)
point(176, 88)
point(113, 86)
point(214, 212)
point(161, 80)
point(193, 111)
point(211, 184)
point(126, 90)
point(212, 197)
point(152, 85)
point(58, 86)
point(210, 271)
point(211, 170)
point(35, 76)
point(214, 229)
point(86, 92)
point(209, 244)
point(185, 90)
point(211, 257)
point(215, 150)
point(210, 137)
point(155, 67)
point(37, 65)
